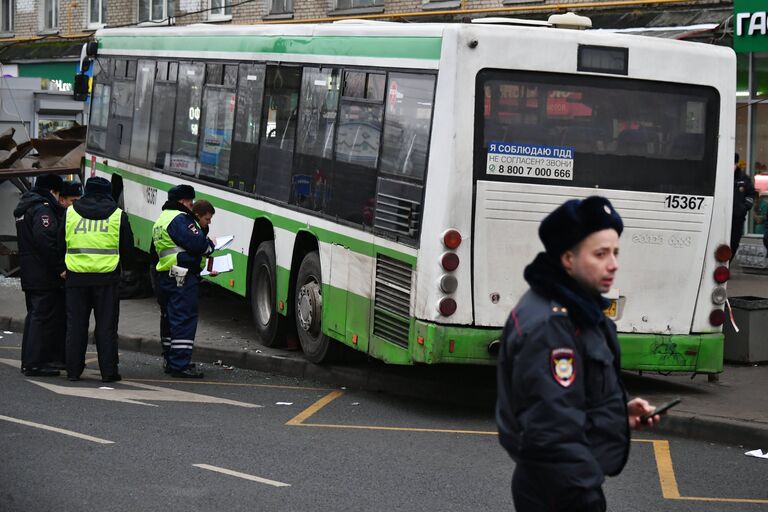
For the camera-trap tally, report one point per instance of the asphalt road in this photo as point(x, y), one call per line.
point(159, 444)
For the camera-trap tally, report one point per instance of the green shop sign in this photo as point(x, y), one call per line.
point(750, 26)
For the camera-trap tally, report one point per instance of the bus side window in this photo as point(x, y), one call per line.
point(217, 125)
point(358, 138)
point(278, 132)
point(313, 165)
point(245, 143)
point(121, 113)
point(142, 110)
point(161, 124)
point(407, 123)
point(100, 100)
point(186, 130)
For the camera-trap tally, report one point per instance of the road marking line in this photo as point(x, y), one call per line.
point(304, 415)
point(667, 480)
point(180, 381)
point(669, 489)
point(57, 430)
point(403, 429)
point(91, 360)
point(11, 348)
point(244, 476)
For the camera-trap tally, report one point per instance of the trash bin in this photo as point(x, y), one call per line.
point(750, 344)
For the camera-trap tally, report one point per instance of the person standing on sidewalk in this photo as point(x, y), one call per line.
point(743, 200)
point(97, 240)
point(37, 222)
point(181, 246)
point(562, 411)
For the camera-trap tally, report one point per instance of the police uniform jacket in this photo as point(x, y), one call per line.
point(562, 409)
point(186, 233)
point(38, 216)
point(743, 195)
point(98, 207)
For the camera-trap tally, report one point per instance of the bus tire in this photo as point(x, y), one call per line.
point(266, 319)
point(317, 347)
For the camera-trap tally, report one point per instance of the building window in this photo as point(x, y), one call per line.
point(220, 9)
point(357, 4)
point(280, 6)
point(6, 16)
point(51, 14)
point(156, 10)
point(97, 12)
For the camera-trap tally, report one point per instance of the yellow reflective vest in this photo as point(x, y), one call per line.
point(93, 245)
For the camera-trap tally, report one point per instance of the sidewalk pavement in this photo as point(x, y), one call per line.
point(732, 410)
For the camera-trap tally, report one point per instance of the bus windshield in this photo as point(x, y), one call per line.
point(596, 132)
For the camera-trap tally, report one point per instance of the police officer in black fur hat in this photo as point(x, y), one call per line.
point(562, 411)
point(38, 215)
point(71, 191)
point(97, 240)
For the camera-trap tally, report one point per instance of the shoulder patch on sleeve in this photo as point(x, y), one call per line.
point(45, 220)
point(193, 228)
point(563, 363)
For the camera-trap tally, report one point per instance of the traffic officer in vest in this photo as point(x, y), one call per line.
point(181, 247)
point(38, 215)
point(98, 239)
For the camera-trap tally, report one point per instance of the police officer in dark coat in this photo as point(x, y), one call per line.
point(562, 410)
point(743, 200)
point(71, 191)
point(38, 215)
point(97, 239)
point(180, 245)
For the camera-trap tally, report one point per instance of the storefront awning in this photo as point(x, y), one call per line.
point(679, 24)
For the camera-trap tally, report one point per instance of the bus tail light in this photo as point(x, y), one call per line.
point(719, 295)
point(452, 239)
point(447, 306)
point(449, 283)
point(717, 317)
point(723, 253)
point(449, 261)
point(722, 274)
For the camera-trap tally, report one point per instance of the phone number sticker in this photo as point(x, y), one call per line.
point(530, 161)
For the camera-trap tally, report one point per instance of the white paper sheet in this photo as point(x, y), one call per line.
point(221, 264)
point(222, 242)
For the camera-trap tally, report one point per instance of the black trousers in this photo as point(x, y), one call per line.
point(737, 231)
point(531, 492)
point(104, 301)
point(44, 328)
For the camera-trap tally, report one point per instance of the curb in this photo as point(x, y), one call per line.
point(377, 377)
point(715, 430)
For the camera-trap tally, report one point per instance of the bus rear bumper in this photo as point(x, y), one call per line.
point(698, 353)
point(448, 344)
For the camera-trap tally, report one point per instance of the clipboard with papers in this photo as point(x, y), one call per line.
point(219, 264)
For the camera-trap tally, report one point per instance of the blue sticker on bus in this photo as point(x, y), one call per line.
point(530, 161)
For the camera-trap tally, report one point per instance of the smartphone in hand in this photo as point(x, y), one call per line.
point(661, 410)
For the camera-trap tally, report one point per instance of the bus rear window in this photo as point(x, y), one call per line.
point(595, 132)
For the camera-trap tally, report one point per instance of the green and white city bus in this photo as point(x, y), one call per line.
point(384, 182)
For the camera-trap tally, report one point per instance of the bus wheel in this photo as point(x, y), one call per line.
point(317, 346)
point(263, 285)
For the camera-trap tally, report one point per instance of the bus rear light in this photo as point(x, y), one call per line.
point(452, 239)
point(451, 346)
point(719, 295)
point(723, 253)
point(447, 306)
point(722, 274)
point(449, 261)
point(449, 283)
point(717, 317)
